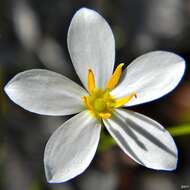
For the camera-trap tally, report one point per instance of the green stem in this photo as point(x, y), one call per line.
point(179, 130)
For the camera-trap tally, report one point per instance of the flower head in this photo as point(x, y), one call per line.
point(71, 148)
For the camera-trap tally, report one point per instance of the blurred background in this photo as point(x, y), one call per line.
point(33, 34)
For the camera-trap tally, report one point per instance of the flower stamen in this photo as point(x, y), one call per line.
point(87, 102)
point(105, 115)
point(122, 101)
point(91, 81)
point(112, 82)
point(100, 102)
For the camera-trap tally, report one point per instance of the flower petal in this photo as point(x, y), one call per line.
point(71, 148)
point(91, 45)
point(45, 92)
point(151, 76)
point(143, 139)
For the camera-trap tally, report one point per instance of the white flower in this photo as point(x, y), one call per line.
point(71, 148)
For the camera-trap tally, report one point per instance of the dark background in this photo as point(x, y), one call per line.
point(33, 34)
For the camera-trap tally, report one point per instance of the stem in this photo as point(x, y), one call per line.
point(179, 130)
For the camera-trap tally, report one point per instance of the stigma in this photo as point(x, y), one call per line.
point(99, 102)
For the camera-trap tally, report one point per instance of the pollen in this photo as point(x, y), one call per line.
point(100, 103)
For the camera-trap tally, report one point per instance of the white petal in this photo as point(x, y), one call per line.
point(71, 148)
point(151, 76)
point(26, 24)
point(91, 45)
point(143, 139)
point(45, 92)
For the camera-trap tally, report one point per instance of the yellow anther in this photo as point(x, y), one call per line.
point(91, 81)
point(115, 77)
point(105, 115)
point(122, 101)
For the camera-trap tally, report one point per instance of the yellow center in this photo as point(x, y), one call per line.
point(100, 102)
point(100, 105)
